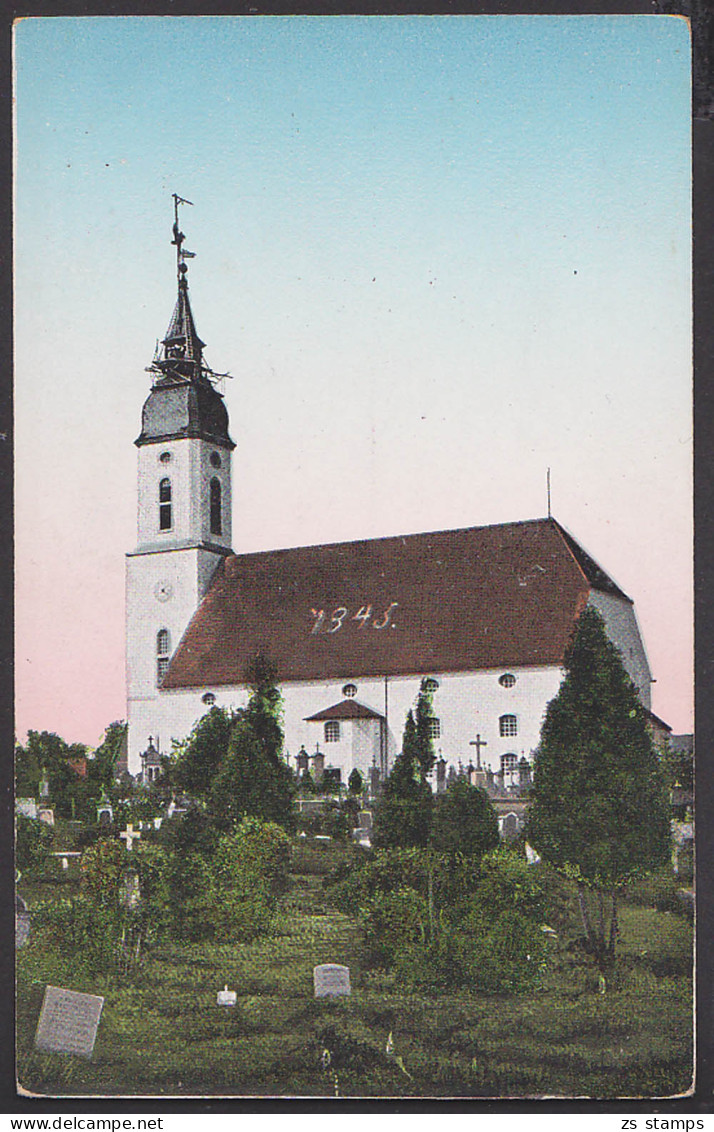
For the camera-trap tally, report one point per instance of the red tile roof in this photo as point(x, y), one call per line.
point(503, 596)
point(346, 709)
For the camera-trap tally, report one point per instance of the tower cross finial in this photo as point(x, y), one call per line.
point(181, 253)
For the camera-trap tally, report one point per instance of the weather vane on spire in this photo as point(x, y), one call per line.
point(181, 252)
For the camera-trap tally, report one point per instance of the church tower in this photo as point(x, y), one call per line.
point(184, 510)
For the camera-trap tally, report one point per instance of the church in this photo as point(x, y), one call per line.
point(483, 614)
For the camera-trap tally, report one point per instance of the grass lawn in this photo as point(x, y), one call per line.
point(163, 1034)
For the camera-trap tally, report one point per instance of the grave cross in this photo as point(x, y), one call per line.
point(129, 835)
point(478, 743)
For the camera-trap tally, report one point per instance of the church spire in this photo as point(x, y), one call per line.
point(181, 358)
point(184, 400)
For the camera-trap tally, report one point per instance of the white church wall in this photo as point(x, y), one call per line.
point(162, 592)
point(624, 632)
point(466, 704)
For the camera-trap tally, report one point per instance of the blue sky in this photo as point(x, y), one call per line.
point(438, 254)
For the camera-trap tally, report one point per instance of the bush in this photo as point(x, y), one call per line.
point(659, 890)
point(33, 845)
point(393, 921)
point(509, 882)
point(465, 820)
point(508, 954)
point(77, 927)
point(250, 871)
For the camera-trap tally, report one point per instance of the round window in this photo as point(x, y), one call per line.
point(165, 457)
point(507, 680)
point(350, 691)
point(215, 460)
point(208, 698)
point(431, 685)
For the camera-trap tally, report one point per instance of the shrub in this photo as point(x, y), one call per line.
point(465, 821)
point(509, 882)
point(33, 845)
point(659, 890)
point(250, 871)
point(190, 886)
point(508, 954)
point(393, 921)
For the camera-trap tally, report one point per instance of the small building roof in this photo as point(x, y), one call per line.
point(346, 709)
point(503, 596)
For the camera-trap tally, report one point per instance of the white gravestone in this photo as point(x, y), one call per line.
point(226, 997)
point(331, 978)
point(129, 836)
point(68, 1021)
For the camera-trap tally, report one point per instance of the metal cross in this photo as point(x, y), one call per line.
point(478, 743)
point(129, 835)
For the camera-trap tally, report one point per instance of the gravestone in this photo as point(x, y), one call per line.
point(226, 997)
point(22, 922)
point(47, 816)
point(68, 1021)
point(331, 979)
point(364, 819)
point(130, 891)
point(129, 836)
point(27, 807)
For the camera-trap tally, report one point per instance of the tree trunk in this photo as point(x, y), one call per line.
point(601, 921)
point(430, 874)
point(614, 926)
point(584, 914)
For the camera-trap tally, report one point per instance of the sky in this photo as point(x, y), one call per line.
point(437, 254)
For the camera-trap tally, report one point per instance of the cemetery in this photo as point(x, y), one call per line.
point(228, 930)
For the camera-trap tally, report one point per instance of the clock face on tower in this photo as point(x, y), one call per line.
point(163, 591)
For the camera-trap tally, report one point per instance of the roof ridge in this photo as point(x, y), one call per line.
point(392, 538)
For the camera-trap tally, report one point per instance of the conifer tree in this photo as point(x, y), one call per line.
point(404, 813)
point(599, 810)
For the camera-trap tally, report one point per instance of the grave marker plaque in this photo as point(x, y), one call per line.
point(68, 1021)
point(331, 979)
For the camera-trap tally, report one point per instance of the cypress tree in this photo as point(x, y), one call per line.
point(599, 811)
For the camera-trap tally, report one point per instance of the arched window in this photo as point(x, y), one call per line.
point(163, 653)
point(509, 763)
point(332, 731)
point(216, 523)
point(434, 727)
point(508, 725)
point(165, 505)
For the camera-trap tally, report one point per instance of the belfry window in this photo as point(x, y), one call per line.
point(165, 518)
point(216, 523)
point(332, 731)
point(163, 654)
point(508, 725)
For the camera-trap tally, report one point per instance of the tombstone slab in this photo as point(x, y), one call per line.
point(22, 922)
point(226, 997)
point(68, 1021)
point(331, 979)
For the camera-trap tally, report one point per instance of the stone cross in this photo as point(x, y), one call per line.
point(478, 743)
point(129, 835)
